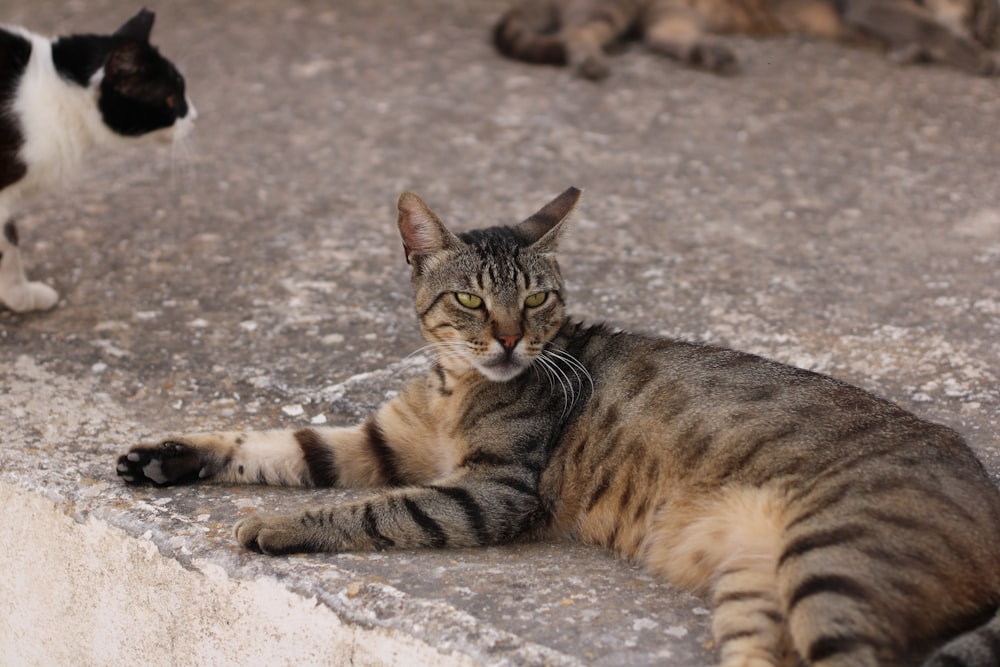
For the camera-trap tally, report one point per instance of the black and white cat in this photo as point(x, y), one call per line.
point(59, 98)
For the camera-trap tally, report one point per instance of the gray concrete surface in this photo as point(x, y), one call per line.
point(824, 207)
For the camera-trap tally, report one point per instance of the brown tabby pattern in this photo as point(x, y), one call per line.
point(827, 526)
point(577, 32)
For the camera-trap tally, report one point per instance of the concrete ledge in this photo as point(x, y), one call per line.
point(87, 593)
point(86, 582)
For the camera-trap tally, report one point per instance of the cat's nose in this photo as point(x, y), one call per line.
point(509, 341)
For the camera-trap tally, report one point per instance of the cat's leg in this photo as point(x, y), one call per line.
point(359, 456)
point(825, 582)
point(728, 542)
point(815, 18)
point(748, 625)
point(280, 457)
point(398, 445)
point(830, 622)
point(912, 35)
point(472, 507)
point(16, 291)
point(587, 33)
point(679, 33)
point(585, 50)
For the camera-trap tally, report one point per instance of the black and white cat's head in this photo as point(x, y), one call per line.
point(138, 91)
point(489, 299)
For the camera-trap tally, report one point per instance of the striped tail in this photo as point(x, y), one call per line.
point(977, 648)
point(531, 34)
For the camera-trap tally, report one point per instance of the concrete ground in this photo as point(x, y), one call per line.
point(824, 207)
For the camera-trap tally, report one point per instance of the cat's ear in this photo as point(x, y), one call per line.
point(423, 232)
point(138, 27)
point(543, 228)
point(126, 60)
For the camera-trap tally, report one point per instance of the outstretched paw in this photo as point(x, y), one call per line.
point(593, 69)
point(276, 535)
point(714, 58)
point(169, 462)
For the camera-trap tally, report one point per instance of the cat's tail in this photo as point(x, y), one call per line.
point(530, 32)
point(979, 647)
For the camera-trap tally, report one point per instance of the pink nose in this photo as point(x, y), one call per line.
point(509, 340)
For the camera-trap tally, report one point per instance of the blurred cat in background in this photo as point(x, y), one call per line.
point(959, 33)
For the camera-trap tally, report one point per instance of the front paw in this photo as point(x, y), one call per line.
point(713, 57)
point(166, 463)
point(276, 535)
point(29, 296)
point(593, 68)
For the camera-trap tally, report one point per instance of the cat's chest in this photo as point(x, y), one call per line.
point(426, 423)
point(58, 122)
point(467, 415)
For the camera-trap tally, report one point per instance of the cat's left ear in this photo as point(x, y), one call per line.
point(542, 229)
point(138, 27)
point(423, 232)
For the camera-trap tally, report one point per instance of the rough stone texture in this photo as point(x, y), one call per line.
point(824, 207)
point(81, 579)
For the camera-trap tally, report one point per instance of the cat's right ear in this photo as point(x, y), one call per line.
point(139, 27)
point(423, 232)
point(543, 228)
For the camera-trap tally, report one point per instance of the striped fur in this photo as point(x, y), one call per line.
point(577, 32)
point(827, 526)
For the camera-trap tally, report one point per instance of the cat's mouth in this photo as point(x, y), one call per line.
point(181, 129)
point(502, 368)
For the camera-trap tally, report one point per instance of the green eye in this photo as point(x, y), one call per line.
point(469, 300)
point(536, 300)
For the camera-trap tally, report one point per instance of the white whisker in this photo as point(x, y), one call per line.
point(181, 159)
point(575, 365)
point(570, 391)
point(434, 353)
point(563, 372)
point(417, 361)
point(554, 372)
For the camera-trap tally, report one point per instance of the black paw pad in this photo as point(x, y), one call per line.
point(164, 464)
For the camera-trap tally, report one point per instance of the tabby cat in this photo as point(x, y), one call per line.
point(577, 32)
point(828, 526)
point(60, 98)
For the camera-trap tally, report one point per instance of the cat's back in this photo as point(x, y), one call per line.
point(680, 384)
point(707, 415)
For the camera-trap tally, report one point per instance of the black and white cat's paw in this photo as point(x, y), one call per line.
point(28, 296)
point(163, 464)
point(16, 291)
point(276, 535)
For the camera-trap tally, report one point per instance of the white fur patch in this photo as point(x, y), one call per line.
point(60, 121)
point(154, 471)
